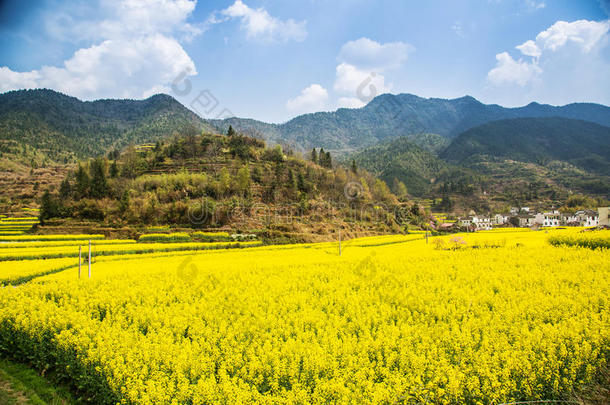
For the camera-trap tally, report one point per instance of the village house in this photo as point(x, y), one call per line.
point(588, 218)
point(482, 223)
point(570, 220)
point(548, 219)
point(526, 220)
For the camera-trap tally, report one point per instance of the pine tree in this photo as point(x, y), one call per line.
point(124, 203)
point(314, 155)
point(329, 161)
point(114, 170)
point(48, 207)
point(82, 182)
point(99, 183)
point(354, 167)
point(65, 190)
point(231, 131)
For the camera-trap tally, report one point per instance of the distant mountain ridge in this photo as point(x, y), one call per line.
point(62, 126)
point(521, 155)
point(391, 116)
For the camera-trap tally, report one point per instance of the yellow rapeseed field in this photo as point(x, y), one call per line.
point(488, 318)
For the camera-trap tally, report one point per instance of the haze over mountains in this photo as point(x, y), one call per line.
point(422, 142)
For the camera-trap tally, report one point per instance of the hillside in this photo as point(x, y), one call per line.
point(535, 140)
point(225, 182)
point(402, 159)
point(42, 126)
point(390, 116)
point(506, 162)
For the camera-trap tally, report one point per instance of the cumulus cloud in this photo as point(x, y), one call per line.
point(364, 85)
point(371, 55)
point(360, 75)
point(585, 34)
point(509, 71)
point(137, 56)
point(311, 99)
point(260, 25)
point(563, 63)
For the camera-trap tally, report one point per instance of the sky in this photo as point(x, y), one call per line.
point(272, 60)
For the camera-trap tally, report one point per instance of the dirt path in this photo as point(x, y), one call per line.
point(10, 396)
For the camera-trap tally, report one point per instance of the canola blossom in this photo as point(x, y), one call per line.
point(113, 249)
point(390, 320)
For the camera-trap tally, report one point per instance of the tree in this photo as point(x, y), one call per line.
point(243, 180)
point(225, 181)
point(329, 160)
point(292, 181)
point(314, 155)
point(82, 182)
point(65, 190)
point(124, 203)
point(257, 175)
point(231, 131)
point(446, 203)
point(302, 184)
point(99, 182)
point(399, 188)
point(49, 207)
point(354, 167)
point(114, 170)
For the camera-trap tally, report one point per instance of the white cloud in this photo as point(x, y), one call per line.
point(371, 55)
point(509, 71)
point(360, 75)
point(535, 5)
point(137, 56)
point(585, 34)
point(565, 63)
point(529, 48)
point(260, 25)
point(114, 68)
point(350, 102)
point(311, 99)
point(353, 81)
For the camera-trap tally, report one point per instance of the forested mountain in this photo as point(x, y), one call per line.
point(391, 116)
point(39, 124)
point(523, 159)
point(535, 140)
point(403, 160)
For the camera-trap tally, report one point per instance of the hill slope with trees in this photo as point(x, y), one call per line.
point(43, 126)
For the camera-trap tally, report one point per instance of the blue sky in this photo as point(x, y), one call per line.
point(272, 60)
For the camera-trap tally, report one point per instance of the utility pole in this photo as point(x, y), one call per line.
point(89, 258)
point(80, 258)
point(339, 242)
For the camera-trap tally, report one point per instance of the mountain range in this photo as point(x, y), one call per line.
point(435, 146)
point(391, 116)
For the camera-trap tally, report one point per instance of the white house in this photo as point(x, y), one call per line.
point(570, 220)
point(499, 219)
point(548, 219)
point(482, 223)
point(588, 218)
